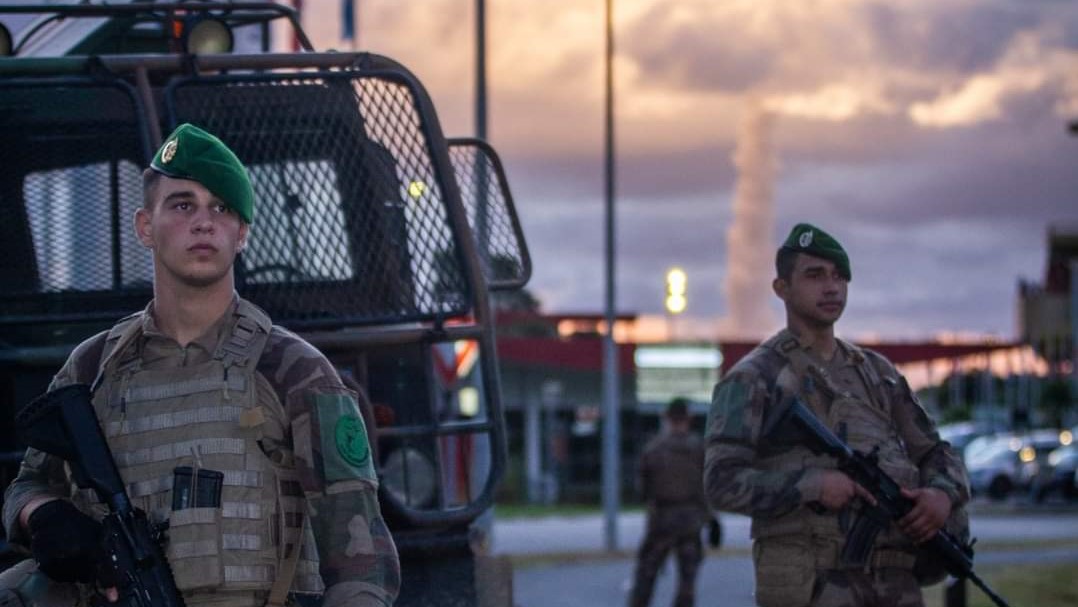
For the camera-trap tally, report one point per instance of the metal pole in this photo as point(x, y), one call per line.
point(1074, 325)
point(482, 212)
point(532, 453)
point(954, 592)
point(481, 69)
point(611, 408)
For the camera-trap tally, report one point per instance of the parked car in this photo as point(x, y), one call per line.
point(1008, 462)
point(1058, 474)
point(961, 434)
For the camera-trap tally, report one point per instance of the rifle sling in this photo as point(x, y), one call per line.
point(286, 572)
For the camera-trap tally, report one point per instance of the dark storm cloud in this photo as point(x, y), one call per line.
point(656, 174)
point(1016, 173)
point(947, 38)
point(673, 174)
point(563, 177)
point(655, 236)
point(940, 221)
point(694, 53)
point(952, 276)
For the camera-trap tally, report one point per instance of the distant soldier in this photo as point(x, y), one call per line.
point(671, 473)
point(801, 506)
point(235, 433)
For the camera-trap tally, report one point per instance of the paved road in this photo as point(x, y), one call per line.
point(584, 534)
point(578, 573)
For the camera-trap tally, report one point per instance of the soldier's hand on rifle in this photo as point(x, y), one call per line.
point(930, 511)
point(837, 489)
point(66, 543)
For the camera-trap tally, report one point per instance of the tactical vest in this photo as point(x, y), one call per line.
point(679, 462)
point(206, 416)
point(866, 426)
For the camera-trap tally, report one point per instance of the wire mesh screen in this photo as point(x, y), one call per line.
point(72, 154)
point(351, 224)
point(485, 194)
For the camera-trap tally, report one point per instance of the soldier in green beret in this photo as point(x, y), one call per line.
point(801, 506)
point(202, 380)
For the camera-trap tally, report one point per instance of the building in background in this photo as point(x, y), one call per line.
point(1047, 310)
point(551, 367)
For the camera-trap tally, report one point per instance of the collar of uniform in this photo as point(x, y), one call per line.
point(209, 338)
point(788, 340)
point(850, 353)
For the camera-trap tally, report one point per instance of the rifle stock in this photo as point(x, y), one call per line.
point(63, 423)
point(796, 424)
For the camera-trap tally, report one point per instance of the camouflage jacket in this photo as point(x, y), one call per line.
point(294, 382)
point(671, 469)
point(743, 400)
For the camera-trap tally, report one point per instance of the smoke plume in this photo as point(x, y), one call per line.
point(750, 252)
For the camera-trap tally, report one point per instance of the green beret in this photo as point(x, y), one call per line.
point(807, 238)
point(192, 153)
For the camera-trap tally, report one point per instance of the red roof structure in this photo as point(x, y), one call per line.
point(586, 354)
point(581, 354)
point(899, 353)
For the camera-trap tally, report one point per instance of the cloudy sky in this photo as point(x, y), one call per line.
point(929, 136)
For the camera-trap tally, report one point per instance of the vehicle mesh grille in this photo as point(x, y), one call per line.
point(352, 215)
point(484, 192)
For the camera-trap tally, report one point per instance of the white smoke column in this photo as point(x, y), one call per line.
point(750, 254)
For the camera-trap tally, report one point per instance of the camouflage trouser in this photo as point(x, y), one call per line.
point(24, 586)
point(658, 543)
point(887, 587)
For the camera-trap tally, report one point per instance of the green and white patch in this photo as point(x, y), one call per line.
point(346, 450)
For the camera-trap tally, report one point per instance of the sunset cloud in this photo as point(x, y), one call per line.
point(934, 122)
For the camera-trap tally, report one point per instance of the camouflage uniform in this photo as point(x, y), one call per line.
point(670, 472)
point(863, 398)
point(298, 479)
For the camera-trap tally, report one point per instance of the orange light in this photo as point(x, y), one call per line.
point(1027, 454)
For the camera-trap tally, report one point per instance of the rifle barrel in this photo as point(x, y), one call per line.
point(998, 600)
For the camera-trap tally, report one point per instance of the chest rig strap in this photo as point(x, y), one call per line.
point(120, 359)
point(811, 379)
point(246, 338)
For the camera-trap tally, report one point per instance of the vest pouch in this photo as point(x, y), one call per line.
point(785, 571)
point(194, 548)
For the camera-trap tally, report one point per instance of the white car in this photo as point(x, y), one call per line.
point(1008, 462)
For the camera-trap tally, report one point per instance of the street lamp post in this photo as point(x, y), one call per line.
point(611, 408)
point(676, 300)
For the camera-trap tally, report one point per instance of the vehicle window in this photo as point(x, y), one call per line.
point(299, 233)
point(71, 223)
point(998, 453)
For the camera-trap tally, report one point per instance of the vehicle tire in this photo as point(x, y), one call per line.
point(999, 488)
point(1041, 493)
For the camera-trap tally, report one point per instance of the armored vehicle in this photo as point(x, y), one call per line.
point(377, 239)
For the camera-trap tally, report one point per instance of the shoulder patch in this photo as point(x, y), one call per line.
point(346, 451)
point(726, 417)
point(351, 437)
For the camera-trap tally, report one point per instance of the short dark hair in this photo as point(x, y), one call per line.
point(150, 179)
point(678, 409)
point(785, 260)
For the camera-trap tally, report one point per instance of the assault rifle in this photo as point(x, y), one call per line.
point(797, 425)
point(62, 422)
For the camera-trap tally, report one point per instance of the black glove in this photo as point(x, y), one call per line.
point(714, 533)
point(66, 543)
